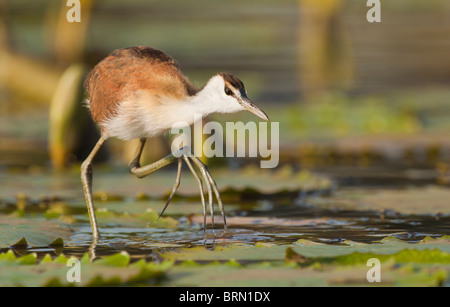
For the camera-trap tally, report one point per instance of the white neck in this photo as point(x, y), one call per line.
point(212, 99)
point(203, 102)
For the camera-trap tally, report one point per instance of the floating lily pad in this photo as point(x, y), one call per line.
point(56, 243)
point(256, 275)
point(111, 270)
point(30, 231)
point(307, 263)
point(429, 200)
point(22, 243)
point(306, 248)
point(148, 218)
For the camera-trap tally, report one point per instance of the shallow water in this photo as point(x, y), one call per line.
point(275, 220)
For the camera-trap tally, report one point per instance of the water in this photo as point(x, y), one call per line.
point(147, 243)
point(275, 220)
point(261, 45)
point(324, 226)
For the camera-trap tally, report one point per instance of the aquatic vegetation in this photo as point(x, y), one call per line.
point(300, 232)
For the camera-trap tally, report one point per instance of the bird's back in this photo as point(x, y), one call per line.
point(126, 71)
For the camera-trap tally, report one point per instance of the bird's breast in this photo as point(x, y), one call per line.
point(146, 114)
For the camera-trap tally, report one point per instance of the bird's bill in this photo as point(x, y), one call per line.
point(250, 106)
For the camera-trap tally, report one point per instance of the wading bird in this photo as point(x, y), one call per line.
point(141, 92)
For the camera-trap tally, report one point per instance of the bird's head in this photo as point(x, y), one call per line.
point(229, 95)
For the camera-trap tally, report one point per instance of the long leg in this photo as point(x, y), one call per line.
point(199, 181)
point(191, 156)
point(200, 184)
point(86, 179)
point(219, 199)
point(142, 171)
point(174, 189)
point(213, 185)
point(208, 186)
point(135, 162)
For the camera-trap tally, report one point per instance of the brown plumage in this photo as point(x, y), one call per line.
point(127, 70)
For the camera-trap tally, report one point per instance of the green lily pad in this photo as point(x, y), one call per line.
point(262, 275)
point(111, 270)
point(31, 231)
point(56, 243)
point(306, 248)
point(22, 243)
point(147, 218)
point(417, 200)
point(404, 256)
point(307, 263)
point(118, 260)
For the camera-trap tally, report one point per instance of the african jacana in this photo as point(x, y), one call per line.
point(140, 92)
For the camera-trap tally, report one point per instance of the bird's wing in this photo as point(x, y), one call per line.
point(126, 71)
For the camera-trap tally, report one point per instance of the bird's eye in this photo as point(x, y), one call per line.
point(228, 91)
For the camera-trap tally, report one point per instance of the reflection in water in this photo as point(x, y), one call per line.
point(286, 224)
point(268, 219)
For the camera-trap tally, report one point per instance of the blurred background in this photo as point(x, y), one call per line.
point(345, 91)
point(364, 116)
